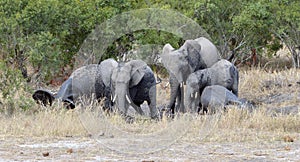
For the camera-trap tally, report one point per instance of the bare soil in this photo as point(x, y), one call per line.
point(88, 149)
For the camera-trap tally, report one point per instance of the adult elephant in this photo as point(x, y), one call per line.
point(193, 55)
point(133, 83)
point(222, 73)
point(91, 82)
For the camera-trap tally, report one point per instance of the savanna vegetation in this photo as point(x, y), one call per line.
point(38, 40)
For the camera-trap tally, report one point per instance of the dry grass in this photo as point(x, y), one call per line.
point(253, 81)
point(52, 122)
point(256, 85)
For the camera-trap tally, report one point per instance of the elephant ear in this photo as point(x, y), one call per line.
point(209, 52)
point(107, 67)
point(191, 46)
point(176, 62)
point(167, 49)
point(138, 68)
point(192, 49)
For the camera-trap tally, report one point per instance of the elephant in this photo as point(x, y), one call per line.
point(222, 73)
point(86, 81)
point(216, 96)
point(193, 55)
point(133, 83)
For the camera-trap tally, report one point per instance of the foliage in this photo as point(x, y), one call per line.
point(50, 31)
point(46, 34)
point(240, 26)
point(286, 15)
point(12, 88)
point(54, 30)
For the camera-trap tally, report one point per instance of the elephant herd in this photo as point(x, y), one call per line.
point(210, 82)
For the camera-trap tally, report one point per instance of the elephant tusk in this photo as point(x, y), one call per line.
point(167, 84)
point(196, 94)
point(181, 84)
point(128, 99)
point(114, 99)
point(191, 95)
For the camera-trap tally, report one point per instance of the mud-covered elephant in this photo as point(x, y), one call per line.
point(193, 55)
point(216, 98)
point(133, 83)
point(222, 73)
point(87, 82)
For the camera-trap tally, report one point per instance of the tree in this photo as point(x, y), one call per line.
point(286, 15)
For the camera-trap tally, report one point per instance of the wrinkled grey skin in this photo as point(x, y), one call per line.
point(216, 96)
point(133, 83)
point(193, 55)
point(84, 82)
point(222, 73)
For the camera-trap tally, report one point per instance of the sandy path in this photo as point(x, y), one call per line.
point(88, 149)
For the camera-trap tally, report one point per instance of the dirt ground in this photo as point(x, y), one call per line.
point(88, 149)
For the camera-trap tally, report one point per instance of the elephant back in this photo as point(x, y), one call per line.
point(81, 82)
point(217, 96)
point(106, 69)
point(209, 52)
point(222, 69)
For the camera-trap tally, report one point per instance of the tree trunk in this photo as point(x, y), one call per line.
point(296, 57)
point(20, 59)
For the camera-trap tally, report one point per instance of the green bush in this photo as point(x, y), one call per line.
point(45, 54)
point(46, 34)
point(14, 89)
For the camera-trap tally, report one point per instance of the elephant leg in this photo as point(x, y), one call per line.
point(198, 104)
point(136, 102)
point(137, 107)
point(192, 102)
point(195, 101)
point(181, 103)
point(188, 99)
point(152, 103)
point(107, 100)
point(174, 93)
point(178, 99)
point(200, 107)
point(139, 110)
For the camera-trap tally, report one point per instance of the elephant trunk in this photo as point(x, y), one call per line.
point(120, 98)
point(123, 99)
point(235, 89)
point(235, 75)
point(188, 98)
point(174, 85)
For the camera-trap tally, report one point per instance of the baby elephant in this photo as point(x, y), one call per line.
point(216, 96)
point(222, 73)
